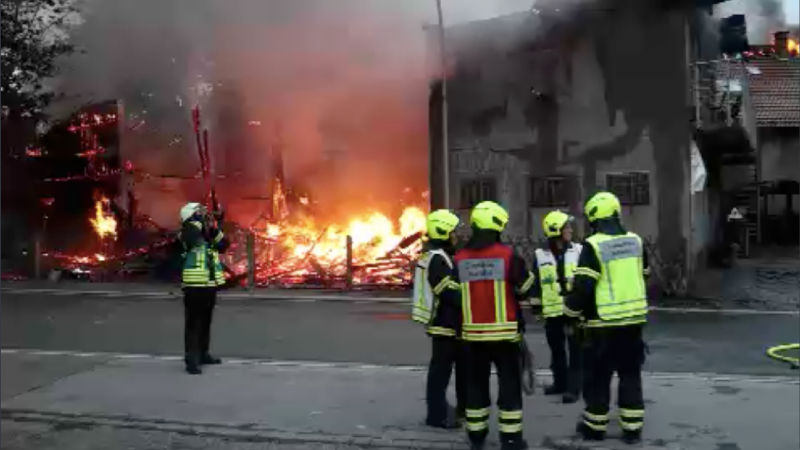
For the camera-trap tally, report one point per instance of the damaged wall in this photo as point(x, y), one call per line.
point(606, 92)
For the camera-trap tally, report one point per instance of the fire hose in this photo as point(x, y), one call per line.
point(775, 353)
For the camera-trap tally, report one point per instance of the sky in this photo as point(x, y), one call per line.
point(792, 10)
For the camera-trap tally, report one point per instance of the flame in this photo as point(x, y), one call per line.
point(792, 46)
point(298, 246)
point(104, 224)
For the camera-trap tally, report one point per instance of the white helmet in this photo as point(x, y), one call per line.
point(189, 210)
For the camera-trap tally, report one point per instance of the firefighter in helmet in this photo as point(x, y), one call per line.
point(201, 277)
point(610, 293)
point(554, 270)
point(493, 280)
point(437, 304)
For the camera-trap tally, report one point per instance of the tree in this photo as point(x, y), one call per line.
point(33, 35)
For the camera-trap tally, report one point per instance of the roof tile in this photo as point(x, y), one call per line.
point(775, 90)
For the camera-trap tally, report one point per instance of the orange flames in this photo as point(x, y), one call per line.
point(792, 46)
point(103, 223)
point(298, 246)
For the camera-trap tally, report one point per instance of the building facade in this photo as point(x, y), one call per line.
point(549, 106)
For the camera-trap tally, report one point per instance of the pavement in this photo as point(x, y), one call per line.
point(92, 371)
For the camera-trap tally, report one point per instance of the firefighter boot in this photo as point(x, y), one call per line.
point(632, 437)
point(569, 398)
point(477, 445)
point(193, 366)
point(209, 360)
point(589, 434)
point(514, 444)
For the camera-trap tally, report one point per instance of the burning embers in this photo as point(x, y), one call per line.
point(103, 222)
point(369, 248)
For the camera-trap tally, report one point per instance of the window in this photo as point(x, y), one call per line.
point(632, 188)
point(551, 192)
point(477, 190)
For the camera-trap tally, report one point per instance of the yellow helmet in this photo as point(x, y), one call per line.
point(554, 222)
point(602, 205)
point(441, 223)
point(489, 216)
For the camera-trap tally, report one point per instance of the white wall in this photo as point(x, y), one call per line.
point(780, 158)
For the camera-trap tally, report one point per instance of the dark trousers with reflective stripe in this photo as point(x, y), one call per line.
point(565, 353)
point(606, 351)
point(198, 306)
point(446, 353)
point(505, 355)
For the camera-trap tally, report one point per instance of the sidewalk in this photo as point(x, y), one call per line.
point(364, 405)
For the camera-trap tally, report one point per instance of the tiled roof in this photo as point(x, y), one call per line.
point(774, 89)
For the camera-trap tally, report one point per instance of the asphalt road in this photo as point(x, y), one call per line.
point(356, 332)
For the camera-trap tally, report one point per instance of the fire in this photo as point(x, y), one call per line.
point(104, 224)
point(792, 46)
point(298, 246)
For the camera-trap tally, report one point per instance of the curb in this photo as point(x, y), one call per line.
point(343, 298)
point(242, 433)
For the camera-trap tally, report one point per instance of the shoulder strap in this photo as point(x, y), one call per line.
point(444, 255)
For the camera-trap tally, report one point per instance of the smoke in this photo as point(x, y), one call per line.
point(341, 87)
point(764, 17)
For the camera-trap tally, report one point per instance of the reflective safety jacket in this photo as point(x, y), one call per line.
point(436, 295)
point(554, 278)
point(491, 277)
point(201, 264)
point(610, 287)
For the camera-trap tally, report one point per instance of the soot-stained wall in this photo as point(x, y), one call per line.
point(605, 91)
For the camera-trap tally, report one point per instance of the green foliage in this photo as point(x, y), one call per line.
point(33, 35)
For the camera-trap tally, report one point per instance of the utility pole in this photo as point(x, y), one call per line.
point(445, 140)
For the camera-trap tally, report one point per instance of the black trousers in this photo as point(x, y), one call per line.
point(606, 351)
point(447, 353)
point(565, 353)
point(198, 306)
point(506, 357)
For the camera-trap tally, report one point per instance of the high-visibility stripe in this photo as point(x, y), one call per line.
point(510, 428)
point(597, 422)
point(491, 326)
point(595, 417)
point(631, 425)
point(511, 415)
point(494, 336)
point(477, 426)
point(441, 331)
point(631, 413)
point(477, 419)
point(446, 283)
point(585, 271)
point(595, 426)
point(528, 283)
point(466, 301)
point(477, 413)
point(594, 323)
point(571, 312)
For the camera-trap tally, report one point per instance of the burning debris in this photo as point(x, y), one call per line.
point(370, 248)
point(104, 224)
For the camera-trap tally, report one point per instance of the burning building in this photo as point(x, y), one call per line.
point(308, 144)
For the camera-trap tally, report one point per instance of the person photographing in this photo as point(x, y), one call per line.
point(202, 275)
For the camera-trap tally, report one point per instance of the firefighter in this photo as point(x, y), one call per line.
point(493, 279)
point(555, 268)
point(609, 292)
point(201, 277)
point(437, 304)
